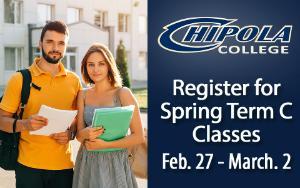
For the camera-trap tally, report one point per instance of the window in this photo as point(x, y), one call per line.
point(13, 58)
point(142, 60)
point(73, 15)
point(36, 52)
point(100, 19)
point(123, 23)
point(13, 10)
point(45, 13)
point(69, 60)
point(142, 24)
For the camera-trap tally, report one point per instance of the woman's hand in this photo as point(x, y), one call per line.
point(95, 144)
point(91, 133)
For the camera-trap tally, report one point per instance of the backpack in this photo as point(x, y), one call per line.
point(9, 142)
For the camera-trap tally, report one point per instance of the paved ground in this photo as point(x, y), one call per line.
point(7, 178)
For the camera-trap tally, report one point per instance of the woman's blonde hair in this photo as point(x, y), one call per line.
point(113, 72)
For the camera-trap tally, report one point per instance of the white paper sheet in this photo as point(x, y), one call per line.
point(58, 120)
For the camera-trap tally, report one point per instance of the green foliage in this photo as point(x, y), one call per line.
point(122, 64)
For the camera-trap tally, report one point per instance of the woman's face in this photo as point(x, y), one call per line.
point(97, 67)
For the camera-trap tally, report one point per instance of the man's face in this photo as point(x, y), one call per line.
point(53, 46)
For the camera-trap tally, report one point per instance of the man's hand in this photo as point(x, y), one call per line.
point(62, 137)
point(35, 122)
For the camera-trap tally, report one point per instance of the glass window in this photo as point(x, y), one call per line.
point(71, 50)
point(123, 25)
point(44, 13)
point(100, 18)
point(36, 52)
point(142, 60)
point(69, 60)
point(13, 58)
point(73, 15)
point(19, 57)
point(10, 59)
point(18, 11)
point(142, 24)
point(13, 10)
point(73, 63)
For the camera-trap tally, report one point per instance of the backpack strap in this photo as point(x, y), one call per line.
point(26, 84)
point(25, 88)
point(117, 99)
point(84, 95)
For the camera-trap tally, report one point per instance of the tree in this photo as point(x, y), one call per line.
point(122, 64)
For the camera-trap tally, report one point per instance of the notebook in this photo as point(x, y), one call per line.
point(115, 120)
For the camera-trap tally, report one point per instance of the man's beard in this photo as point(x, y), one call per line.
point(49, 59)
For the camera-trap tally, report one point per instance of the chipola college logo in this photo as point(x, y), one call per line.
point(201, 34)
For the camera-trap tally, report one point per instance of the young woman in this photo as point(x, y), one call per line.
point(103, 169)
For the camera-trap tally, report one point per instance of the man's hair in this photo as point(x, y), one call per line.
point(57, 26)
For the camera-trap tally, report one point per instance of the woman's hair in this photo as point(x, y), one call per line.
point(113, 72)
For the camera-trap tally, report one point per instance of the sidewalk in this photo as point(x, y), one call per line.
point(7, 178)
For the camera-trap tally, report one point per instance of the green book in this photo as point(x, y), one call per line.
point(115, 120)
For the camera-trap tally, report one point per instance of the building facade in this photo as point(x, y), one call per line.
point(104, 21)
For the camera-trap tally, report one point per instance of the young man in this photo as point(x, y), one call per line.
point(44, 161)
